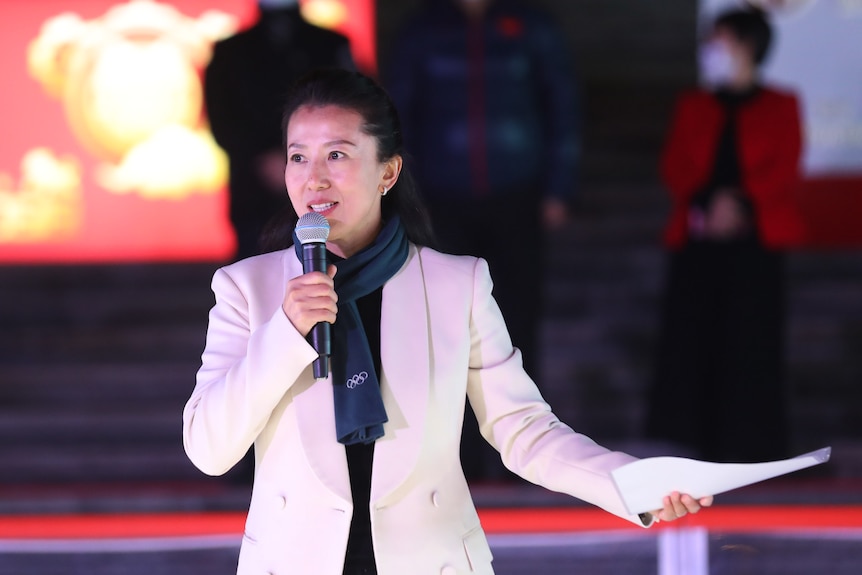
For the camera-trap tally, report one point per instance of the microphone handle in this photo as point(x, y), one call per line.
point(314, 260)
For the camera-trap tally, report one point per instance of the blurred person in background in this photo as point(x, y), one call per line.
point(490, 114)
point(731, 164)
point(244, 88)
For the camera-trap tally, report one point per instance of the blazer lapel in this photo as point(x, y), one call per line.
point(315, 414)
point(405, 381)
point(405, 384)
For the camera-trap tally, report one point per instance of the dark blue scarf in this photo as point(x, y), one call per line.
point(359, 411)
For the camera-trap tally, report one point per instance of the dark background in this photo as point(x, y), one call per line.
point(96, 362)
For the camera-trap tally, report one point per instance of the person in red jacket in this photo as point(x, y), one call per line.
point(731, 166)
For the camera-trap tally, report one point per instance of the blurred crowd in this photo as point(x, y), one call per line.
point(491, 112)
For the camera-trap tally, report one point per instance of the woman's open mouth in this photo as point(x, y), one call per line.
point(322, 208)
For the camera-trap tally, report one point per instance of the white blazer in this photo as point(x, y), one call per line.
point(443, 339)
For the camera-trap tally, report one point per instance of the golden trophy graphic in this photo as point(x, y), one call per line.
point(130, 86)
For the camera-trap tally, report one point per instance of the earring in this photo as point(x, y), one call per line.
point(385, 191)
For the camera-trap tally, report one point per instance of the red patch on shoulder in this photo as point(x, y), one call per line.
point(510, 27)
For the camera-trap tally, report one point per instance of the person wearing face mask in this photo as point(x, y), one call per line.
point(244, 85)
point(731, 164)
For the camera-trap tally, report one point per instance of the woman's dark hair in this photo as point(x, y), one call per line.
point(751, 27)
point(357, 92)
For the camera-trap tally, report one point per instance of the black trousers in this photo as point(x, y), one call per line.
point(718, 386)
point(505, 230)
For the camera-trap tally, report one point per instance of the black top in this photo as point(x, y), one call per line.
point(360, 457)
point(726, 171)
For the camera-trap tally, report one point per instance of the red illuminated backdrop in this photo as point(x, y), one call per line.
point(87, 177)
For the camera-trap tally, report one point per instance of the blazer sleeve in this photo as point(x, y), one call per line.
point(690, 144)
point(777, 174)
point(245, 372)
point(515, 419)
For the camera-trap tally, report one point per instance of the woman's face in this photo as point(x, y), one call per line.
point(726, 61)
point(332, 169)
point(740, 51)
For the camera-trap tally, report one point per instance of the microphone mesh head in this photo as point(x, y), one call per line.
point(312, 227)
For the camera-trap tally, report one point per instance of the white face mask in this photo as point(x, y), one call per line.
point(717, 65)
point(277, 3)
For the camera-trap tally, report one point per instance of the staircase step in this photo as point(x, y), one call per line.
point(58, 464)
point(87, 383)
point(169, 339)
point(94, 425)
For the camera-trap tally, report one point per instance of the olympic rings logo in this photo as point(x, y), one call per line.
point(357, 380)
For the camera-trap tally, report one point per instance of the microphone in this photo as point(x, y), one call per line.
point(312, 230)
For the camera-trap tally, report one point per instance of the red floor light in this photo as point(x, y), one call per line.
point(735, 519)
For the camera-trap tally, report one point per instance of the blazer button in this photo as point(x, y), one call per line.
point(448, 570)
point(435, 498)
point(282, 502)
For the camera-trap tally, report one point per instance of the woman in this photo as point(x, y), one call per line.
point(377, 489)
point(731, 164)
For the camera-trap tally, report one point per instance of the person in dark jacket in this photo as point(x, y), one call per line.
point(489, 106)
point(244, 88)
point(731, 165)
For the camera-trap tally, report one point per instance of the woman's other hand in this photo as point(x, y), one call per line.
point(310, 299)
point(726, 218)
point(678, 505)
